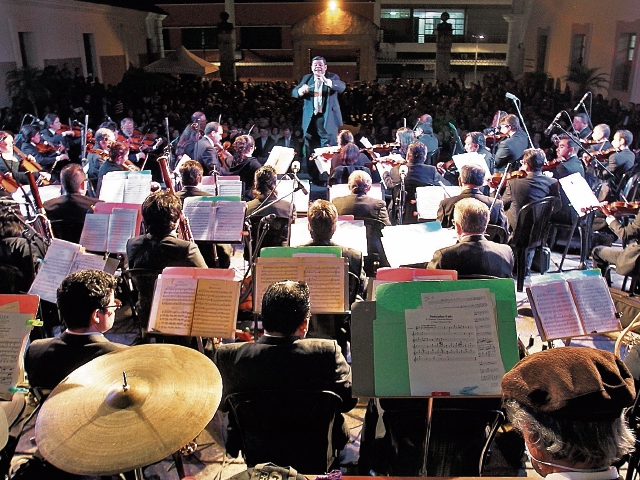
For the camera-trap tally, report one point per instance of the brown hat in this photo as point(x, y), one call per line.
point(571, 382)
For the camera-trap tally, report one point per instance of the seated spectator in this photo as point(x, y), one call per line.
point(87, 307)
point(568, 403)
point(284, 359)
point(473, 254)
point(471, 180)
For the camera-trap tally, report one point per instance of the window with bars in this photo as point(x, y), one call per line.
point(428, 21)
point(578, 43)
point(625, 51)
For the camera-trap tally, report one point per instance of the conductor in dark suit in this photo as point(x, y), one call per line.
point(284, 359)
point(512, 148)
point(471, 180)
point(161, 247)
point(87, 307)
point(474, 254)
point(321, 116)
point(535, 186)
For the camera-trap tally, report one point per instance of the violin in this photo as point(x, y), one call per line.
point(8, 183)
point(444, 167)
point(552, 164)
point(496, 178)
point(623, 208)
point(76, 130)
point(604, 153)
point(492, 139)
point(592, 142)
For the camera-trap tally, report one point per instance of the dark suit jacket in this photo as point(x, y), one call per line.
point(49, 361)
point(428, 138)
point(263, 152)
point(293, 143)
point(275, 363)
point(246, 171)
point(521, 191)
point(330, 105)
point(205, 153)
point(511, 149)
point(69, 207)
point(569, 167)
point(187, 192)
point(419, 173)
point(145, 251)
point(362, 206)
point(445, 210)
point(475, 255)
point(46, 161)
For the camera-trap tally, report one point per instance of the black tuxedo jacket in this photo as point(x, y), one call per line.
point(521, 191)
point(49, 361)
point(511, 149)
point(263, 152)
point(69, 207)
point(475, 255)
point(362, 206)
point(445, 210)
point(331, 106)
point(153, 253)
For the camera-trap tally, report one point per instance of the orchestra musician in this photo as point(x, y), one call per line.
point(580, 124)
point(191, 176)
point(404, 138)
point(417, 172)
point(104, 137)
point(567, 162)
point(603, 256)
point(424, 133)
point(620, 161)
point(475, 142)
point(348, 156)
point(50, 161)
point(345, 137)
point(10, 163)
point(118, 152)
point(243, 163)
point(599, 142)
point(50, 135)
point(190, 135)
point(511, 149)
point(209, 151)
point(264, 192)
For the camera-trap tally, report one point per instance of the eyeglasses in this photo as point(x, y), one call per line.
point(115, 307)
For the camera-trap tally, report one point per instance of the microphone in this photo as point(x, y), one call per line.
point(403, 171)
point(511, 96)
point(584, 97)
point(295, 167)
point(268, 218)
point(549, 129)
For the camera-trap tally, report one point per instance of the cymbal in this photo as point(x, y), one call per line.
point(91, 425)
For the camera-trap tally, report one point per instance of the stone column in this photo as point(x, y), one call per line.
point(515, 49)
point(443, 49)
point(226, 47)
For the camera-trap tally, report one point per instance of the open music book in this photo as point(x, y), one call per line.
point(17, 315)
point(280, 158)
point(576, 305)
point(63, 258)
point(109, 232)
point(126, 187)
point(325, 274)
point(199, 302)
point(228, 185)
point(215, 218)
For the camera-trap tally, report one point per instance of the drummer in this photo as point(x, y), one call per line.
point(87, 305)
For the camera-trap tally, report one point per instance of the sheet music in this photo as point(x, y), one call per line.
point(428, 200)
point(594, 302)
point(472, 158)
point(269, 271)
point(14, 332)
point(326, 279)
point(112, 189)
point(216, 308)
point(87, 261)
point(555, 311)
point(579, 193)
point(137, 187)
point(280, 158)
point(229, 221)
point(300, 200)
point(228, 188)
point(429, 236)
point(173, 305)
point(95, 232)
point(122, 226)
point(200, 215)
point(349, 233)
point(55, 267)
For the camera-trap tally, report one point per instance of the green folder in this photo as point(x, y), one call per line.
point(287, 252)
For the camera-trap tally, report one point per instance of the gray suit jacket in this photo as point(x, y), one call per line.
point(331, 106)
point(475, 255)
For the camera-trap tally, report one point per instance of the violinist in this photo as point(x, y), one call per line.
point(417, 172)
point(348, 157)
point(53, 133)
point(580, 125)
point(424, 133)
point(191, 135)
point(620, 161)
point(243, 163)
point(535, 186)
point(603, 256)
point(511, 149)
point(566, 162)
point(345, 137)
point(127, 128)
point(50, 160)
point(99, 154)
point(208, 150)
point(118, 152)
point(404, 138)
point(10, 163)
point(474, 142)
point(599, 142)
